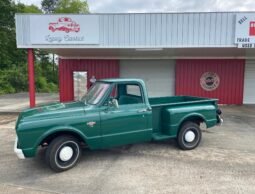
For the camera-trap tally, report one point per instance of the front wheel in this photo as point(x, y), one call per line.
point(189, 136)
point(63, 153)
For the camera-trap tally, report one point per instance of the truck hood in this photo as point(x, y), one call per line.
point(52, 110)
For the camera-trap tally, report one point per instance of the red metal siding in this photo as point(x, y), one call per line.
point(230, 72)
point(99, 68)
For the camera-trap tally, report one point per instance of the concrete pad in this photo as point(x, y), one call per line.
point(11, 103)
point(223, 163)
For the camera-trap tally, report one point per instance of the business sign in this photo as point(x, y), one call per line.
point(245, 30)
point(209, 81)
point(64, 29)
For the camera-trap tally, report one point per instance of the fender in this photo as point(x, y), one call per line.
point(60, 129)
point(192, 115)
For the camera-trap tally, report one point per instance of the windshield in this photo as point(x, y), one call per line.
point(95, 93)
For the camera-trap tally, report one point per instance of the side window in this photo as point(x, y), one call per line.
point(130, 94)
point(134, 90)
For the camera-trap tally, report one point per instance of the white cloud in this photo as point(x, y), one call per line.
point(170, 5)
point(108, 6)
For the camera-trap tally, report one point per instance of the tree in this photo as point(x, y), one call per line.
point(65, 6)
point(13, 61)
point(21, 8)
point(49, 6)
point(7, 12)
point(10, 56)
point(45, 78)
point(72, 6)
point(6, 28)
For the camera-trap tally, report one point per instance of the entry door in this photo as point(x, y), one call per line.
point(126, 124)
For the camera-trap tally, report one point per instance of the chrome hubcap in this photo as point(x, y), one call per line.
point(66, 153)
point(189, 136)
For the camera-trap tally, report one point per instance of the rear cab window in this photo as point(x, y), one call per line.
point(129, 93)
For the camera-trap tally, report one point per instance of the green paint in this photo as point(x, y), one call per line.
point(137, 119)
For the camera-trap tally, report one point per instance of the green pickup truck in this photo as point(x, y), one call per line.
point(114, 112)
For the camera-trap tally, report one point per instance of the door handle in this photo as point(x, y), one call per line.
point(143, 110)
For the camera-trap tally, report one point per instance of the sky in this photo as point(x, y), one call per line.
point(129, 6)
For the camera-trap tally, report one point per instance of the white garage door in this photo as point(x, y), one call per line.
point(158, 75)
point(249, 82)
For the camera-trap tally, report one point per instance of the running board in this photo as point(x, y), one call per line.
point(160, 136)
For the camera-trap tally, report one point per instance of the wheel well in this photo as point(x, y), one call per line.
point(50, 137)
point(196, 119)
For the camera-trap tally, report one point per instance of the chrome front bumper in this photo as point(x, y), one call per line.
point(18, 151)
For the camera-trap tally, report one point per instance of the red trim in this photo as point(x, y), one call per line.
point(31, 79)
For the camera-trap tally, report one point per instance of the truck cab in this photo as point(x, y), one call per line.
point(126, 113)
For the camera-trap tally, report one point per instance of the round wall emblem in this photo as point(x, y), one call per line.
point(209, 81)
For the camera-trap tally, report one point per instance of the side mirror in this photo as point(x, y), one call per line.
point(114, 103)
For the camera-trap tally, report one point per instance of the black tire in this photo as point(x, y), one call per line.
point(62, 146)
point(185, 139)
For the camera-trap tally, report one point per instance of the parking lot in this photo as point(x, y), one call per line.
point(223, 163)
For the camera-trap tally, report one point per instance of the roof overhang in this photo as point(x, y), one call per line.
point(153, 53)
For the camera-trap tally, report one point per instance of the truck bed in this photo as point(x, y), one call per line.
point(163, 109)
point(177, 100)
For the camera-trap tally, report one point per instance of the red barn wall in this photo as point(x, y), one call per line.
point(99, 68)
point(230, 72)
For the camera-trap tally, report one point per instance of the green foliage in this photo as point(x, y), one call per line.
point(65, 6)
point(9, 54)
point(7, 12)
point(13, 61)
point(72, 6)
point(21, 8)
point(13, 80)
point(45, 78)
point(49, 6)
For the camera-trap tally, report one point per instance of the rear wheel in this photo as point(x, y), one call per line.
point(189, 136)
point(63, 153)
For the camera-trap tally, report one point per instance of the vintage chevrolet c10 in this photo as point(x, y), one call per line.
point(114, 112)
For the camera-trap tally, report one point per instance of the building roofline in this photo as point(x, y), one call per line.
point(121, 13)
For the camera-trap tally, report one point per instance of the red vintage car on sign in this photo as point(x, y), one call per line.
point(64, 24)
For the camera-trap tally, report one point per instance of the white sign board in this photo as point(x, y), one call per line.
point(64, 29)
point(245, 30)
